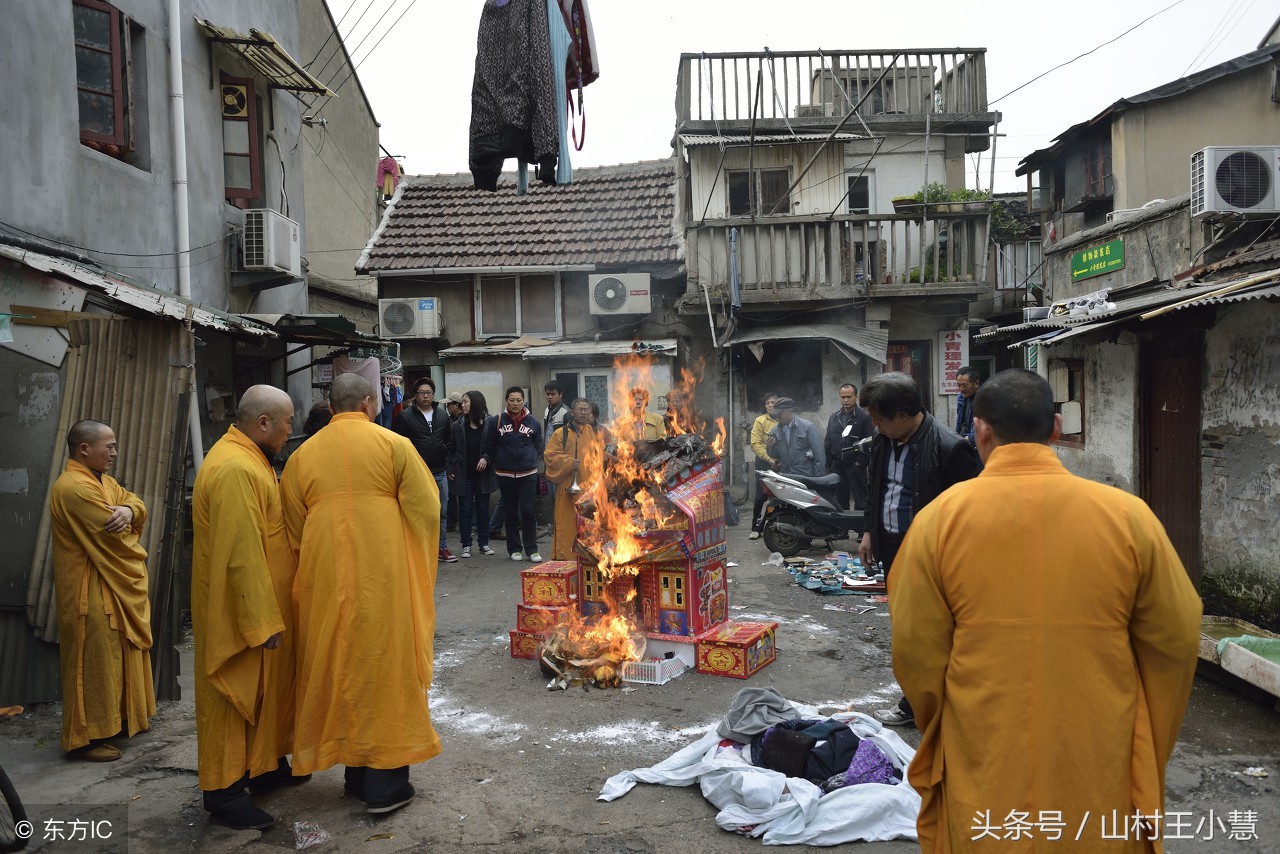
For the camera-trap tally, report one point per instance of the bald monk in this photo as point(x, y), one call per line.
point(573, 451)
point(104, 613)
point(242, 611)
point(363, 513)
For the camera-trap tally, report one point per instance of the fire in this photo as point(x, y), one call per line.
point(626, 517)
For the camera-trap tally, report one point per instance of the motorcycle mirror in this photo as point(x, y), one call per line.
point(848, 428)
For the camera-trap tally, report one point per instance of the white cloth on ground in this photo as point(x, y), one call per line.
point(788, 810)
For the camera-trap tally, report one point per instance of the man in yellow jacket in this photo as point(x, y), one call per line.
point(1045, 632)
point(242, 611)
point(572, 452)
point(104, 613)
point(363, 516)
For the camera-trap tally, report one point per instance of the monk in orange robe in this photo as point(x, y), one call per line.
point(572, 452)
point(363, 515)
point(1046, 634)
point(104, 613)
point(242, 614)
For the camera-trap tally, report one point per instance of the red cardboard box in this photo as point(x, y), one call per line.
point(525, 644)
point(553, 583)
point(538, 619)
point(737, 649)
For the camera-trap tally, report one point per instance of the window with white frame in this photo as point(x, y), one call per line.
point(861, 186)
point(520, 304)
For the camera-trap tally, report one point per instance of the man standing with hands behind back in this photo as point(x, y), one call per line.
point(362, 512)
point(1048, 649)
point(104, 613)
point(242, 573)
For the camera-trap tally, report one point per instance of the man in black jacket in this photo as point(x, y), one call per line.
point(913, 460)
point(427, 425)
point(846, 426)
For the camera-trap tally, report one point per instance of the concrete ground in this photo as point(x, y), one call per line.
point(522, 765)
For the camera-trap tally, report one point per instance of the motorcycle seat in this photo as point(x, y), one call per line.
point(826, 481)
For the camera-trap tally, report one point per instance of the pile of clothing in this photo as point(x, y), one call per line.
point(779, 771)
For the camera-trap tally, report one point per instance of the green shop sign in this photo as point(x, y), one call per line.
point(1098, 260)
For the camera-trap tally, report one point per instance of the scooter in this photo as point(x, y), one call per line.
point(800, 508)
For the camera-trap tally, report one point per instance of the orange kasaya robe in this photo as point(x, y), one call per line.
point(104, 613)
point(1046, 634)
point(566, 445)
point(363, 514)
point(241, 594)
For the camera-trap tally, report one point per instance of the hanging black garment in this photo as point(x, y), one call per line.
point(513, 106)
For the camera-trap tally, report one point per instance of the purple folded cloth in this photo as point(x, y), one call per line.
point(869, 765)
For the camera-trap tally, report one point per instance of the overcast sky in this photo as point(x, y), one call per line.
point(418, 72)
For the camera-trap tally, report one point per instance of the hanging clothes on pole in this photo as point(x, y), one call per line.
point(582, 67)
point(513, 95)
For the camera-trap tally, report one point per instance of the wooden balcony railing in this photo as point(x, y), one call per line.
point(851, 255)
point(788, 85)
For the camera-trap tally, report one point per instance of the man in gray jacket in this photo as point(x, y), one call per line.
point(795, 442)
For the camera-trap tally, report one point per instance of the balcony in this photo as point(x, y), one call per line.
point(794, 91)
point(850, 256)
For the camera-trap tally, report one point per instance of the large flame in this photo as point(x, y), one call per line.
point(625, 510)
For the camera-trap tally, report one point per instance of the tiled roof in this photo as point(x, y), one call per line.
point(609, 215)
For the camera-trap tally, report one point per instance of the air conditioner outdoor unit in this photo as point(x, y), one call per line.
point(411, 317)
point(271, 241)
point(1235, 179)
point(619, 293)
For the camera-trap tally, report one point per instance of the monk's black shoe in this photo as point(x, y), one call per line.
point(243, 817)
point(272, 780)
point(401, 798)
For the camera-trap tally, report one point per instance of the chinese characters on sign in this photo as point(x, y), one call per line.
point(953, 354)
point(1050, 825)
point(1097, 260)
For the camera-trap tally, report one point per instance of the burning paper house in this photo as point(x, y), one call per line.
point(650, 545)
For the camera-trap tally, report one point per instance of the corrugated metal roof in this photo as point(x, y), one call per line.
point(872, 343)
point(1251, 287)
point(692, 139)
point(665, 347)
point(151, 300)
point(268, 56)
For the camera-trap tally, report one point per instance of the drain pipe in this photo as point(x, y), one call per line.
point(181, 209)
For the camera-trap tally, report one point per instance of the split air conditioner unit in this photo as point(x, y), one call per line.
point(1235, 179)
point(413, 317)
point(271, 242)
point(620, 293)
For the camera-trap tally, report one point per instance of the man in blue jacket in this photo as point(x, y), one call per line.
point(428, 426)
point(512, 446)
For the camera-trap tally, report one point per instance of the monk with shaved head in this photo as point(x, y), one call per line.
point(242, 614)
point(363, 515)
point(104, 613)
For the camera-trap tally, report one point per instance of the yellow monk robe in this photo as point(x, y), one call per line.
point(363, 513)
point(104, 613)
point(1045, 633)
point(565, 446)
point(241, 595)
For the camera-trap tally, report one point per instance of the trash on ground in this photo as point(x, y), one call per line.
point(1256, 772)
point(307, 834)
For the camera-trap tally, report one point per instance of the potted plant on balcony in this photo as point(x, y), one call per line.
point(939, 199)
